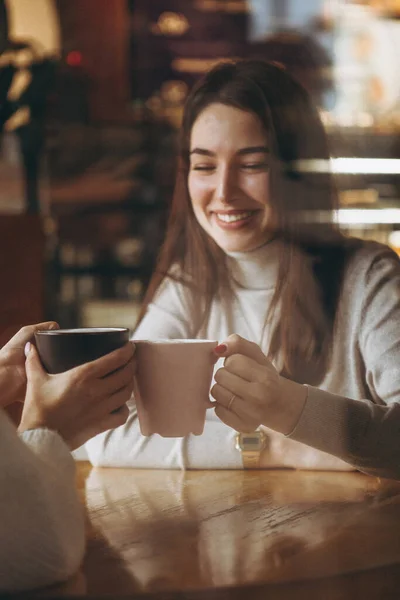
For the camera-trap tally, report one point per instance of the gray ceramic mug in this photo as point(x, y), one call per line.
point(172, 385)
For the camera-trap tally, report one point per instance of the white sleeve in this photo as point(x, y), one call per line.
point(42, 534)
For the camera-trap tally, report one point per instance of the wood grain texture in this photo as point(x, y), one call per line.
point(234, 534)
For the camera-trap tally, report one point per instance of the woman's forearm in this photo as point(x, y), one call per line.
point(359, 432)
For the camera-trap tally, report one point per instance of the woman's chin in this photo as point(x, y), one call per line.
point(241, 243)
point(238, 246)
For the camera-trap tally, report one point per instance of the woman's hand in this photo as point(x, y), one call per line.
point(249, 391)
point(83, 401)
point(12, 364)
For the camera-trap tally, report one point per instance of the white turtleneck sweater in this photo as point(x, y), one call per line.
point(42, 534)
point(354, 416)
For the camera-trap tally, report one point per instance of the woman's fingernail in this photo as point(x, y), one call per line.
point(221, 348)
point(27, 348)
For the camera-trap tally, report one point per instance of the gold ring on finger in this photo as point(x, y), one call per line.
point(231, 401)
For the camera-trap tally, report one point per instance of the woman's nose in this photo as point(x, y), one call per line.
point(225, 186)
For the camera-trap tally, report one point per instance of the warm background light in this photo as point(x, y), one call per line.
point(36, 21)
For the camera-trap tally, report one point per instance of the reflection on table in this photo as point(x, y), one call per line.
point(282, 532)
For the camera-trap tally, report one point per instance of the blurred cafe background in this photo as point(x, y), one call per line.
point(91, 95)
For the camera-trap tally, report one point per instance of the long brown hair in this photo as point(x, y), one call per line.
point(311, 264)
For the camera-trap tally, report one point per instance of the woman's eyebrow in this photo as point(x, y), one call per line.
point(242, 151)
point(254, 150)
point(202, 151)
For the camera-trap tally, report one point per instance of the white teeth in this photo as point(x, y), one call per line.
point(232, 218)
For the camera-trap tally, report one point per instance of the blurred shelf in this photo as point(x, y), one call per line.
point(106, 270)
point(106, 313)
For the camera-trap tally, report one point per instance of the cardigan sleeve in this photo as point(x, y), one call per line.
point(41, 518)
point(365, 433)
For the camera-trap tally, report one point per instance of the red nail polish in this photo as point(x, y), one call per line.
point(221, 348)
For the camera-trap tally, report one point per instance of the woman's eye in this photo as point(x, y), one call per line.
point(203, 167)
point(259, 166)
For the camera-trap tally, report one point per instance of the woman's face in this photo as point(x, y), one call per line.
point(229, 177)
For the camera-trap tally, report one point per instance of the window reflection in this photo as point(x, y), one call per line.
point(124, 70)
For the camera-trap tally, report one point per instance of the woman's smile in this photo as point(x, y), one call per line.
point(234, 219)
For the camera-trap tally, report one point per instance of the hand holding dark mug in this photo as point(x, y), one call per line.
point(84, 400)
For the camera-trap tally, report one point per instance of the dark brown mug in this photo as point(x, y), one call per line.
point(64, 349)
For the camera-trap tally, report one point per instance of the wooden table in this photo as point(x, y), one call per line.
point(234, 534)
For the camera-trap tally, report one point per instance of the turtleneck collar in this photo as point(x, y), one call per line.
point(256, 269)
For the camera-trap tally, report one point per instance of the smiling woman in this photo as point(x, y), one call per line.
point(308, 319)
point(229, 177)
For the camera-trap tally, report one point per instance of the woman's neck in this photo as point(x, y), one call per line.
point(256, 269)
